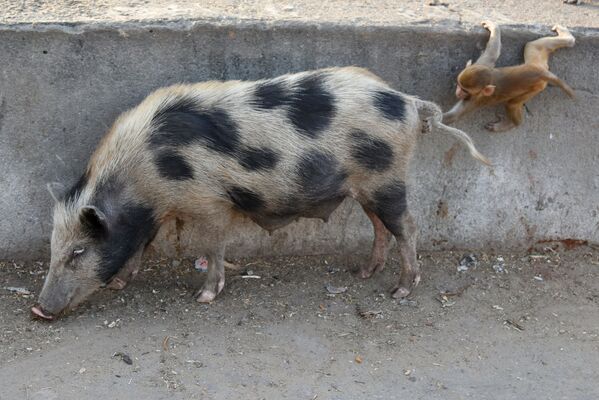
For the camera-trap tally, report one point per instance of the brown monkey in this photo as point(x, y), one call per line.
point(481, 84)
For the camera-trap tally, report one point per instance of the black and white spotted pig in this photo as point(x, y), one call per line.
point(215, 152)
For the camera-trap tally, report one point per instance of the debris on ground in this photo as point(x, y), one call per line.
point(538, 278)
point(408, 302)
point(499, 266)
point(455, 291)
point(18, 290)
point(249, 274)
point(113, 323)
point(368, 314)
point(195, 363)
point(335, 289)
point(232, 266)
point(124, 357)
point(514, 324)
point(434, 3)
point(467, 262)
point(444, 300)
point(359, 359)
point(333, 270)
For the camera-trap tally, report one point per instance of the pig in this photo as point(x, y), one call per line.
point(217, 153)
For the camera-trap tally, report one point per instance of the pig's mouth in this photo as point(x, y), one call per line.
point(38, 312)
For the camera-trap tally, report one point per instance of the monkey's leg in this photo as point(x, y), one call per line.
point(515, 115)
point(515, 111)
point(460, 108)
point(538, 51)
point(493, 49)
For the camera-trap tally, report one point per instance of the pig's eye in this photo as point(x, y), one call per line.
point(78, 251)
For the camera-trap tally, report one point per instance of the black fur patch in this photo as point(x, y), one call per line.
point(91, 223)
point(392, 105)
point(389, 204)
point(132, 227)
point(182, 123)
point(254, 159)
point(75, 191)
point(172, 165)
point(269, 95)
point(371, 153)
point(245, 199)
point(312, 107)
point(128, 226)
point(320, 177)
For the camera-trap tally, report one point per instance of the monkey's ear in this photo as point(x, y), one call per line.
point(469, 63)
point(488, 90)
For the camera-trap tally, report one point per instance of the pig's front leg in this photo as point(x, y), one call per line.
point(215, 280)
point(127, 273)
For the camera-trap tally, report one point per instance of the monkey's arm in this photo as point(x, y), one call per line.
point(460, 108)
point(493, 49)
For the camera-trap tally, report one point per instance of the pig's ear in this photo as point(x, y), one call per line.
point(93, 220)
point(57, 190)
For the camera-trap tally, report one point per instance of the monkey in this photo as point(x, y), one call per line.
point(482, 84)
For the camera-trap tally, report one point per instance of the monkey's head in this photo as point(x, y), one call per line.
point(475, 81)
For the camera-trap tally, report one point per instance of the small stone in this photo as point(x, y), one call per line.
point(335, 289)
point(467, 262)
point(499, 266)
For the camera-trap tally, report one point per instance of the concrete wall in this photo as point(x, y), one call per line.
point(61, 87)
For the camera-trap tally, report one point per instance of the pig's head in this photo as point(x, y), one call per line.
point(93, 237)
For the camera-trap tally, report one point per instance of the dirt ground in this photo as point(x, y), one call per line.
point(354, 12)
point(530, 332)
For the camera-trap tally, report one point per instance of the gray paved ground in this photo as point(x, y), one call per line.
point(284, 337)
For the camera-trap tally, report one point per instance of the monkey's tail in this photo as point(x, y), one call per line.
point(435, 121)
point(554, 80)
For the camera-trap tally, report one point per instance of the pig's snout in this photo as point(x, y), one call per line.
point(39, 312)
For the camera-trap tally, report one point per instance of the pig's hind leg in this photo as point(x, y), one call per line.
point(383, 241)
point(389, 204)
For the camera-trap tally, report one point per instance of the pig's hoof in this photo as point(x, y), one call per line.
point(206, 296)
point(210, 290)
point(116, 284)
point(405, 288)
point(400, 293)
point(367, 272)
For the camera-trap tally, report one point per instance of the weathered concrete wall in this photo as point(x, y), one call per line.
point(61, 87)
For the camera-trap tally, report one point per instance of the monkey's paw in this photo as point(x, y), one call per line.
point(489, 25)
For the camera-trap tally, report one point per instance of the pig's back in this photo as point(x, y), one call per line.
point(274, 146)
